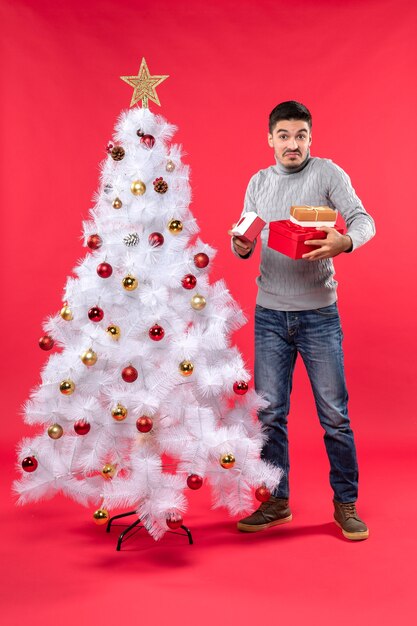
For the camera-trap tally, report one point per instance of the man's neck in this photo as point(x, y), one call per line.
point(281, 169)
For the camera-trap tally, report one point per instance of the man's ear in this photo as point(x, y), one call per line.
point(270, 144)
point(311, 138)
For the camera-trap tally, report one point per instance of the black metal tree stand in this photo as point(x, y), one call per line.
point(127, 533)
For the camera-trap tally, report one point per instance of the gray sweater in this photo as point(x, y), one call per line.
point(286, 284)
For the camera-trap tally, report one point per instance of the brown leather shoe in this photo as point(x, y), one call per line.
point(272, 513)
point(348, 520)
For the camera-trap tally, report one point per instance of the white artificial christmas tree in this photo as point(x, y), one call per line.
point(145, 368)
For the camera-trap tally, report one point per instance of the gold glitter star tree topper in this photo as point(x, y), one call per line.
point(144, 86)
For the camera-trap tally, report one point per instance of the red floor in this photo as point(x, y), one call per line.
point(61, 568)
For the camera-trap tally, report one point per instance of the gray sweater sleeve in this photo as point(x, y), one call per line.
point(342, 196)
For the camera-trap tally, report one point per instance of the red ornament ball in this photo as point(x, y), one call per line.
point(201, 260)
point(129, 374)
point(94, 242)
point(189, 281)
point(104, 270)
point(262, 494)
point(46, 342)
point(82, 427)
point(194, 481)
point(240, 387)
point(174, 521)
point(29, 464)
point(148, 141)
point(156, 239)
point(144, 424)
point(156, 332)
point(96, 314)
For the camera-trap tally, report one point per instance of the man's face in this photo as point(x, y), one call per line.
point(290, 140)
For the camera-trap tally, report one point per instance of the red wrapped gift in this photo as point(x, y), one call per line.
point(288, 238)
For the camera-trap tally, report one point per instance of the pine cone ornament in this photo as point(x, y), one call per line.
point(117, 153)
point(131, 240)
point(160, 185)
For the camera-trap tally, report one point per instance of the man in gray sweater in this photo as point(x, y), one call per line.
point(296, 313)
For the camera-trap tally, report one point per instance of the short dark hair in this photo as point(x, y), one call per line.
point(290, 110)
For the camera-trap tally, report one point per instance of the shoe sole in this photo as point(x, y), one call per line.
point(248, 528)
point(359, 536)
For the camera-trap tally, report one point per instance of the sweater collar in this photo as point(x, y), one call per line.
point(281, 169)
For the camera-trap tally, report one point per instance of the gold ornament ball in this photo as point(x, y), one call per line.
point(117, 203)
point(113, 331)
point(101, 516)
point(186, 368)
point(130, 283)
point(55, 431)
point(119, 413)
point(108, 471)
point(198, 302)
point(67, 387)
point(66, 313)
point(138, 188)
point(170, 166)
point(227, 460)
point(89, 357)
point(175, 227)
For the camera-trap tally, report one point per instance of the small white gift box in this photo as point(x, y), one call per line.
point(249, 226)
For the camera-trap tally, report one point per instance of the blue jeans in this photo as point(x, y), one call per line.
point(317, 336)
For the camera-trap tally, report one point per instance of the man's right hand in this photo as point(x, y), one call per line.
point(241, 246)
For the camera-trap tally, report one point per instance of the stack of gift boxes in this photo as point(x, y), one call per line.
point(289, 236)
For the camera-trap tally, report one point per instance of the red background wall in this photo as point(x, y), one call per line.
point(352, 63)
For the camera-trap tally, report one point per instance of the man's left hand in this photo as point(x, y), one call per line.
point(331, 246)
